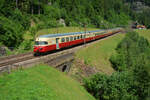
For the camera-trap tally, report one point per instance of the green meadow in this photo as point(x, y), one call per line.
point(98, 54)
point(41, 83)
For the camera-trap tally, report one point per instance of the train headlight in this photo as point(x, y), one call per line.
point(41, 48)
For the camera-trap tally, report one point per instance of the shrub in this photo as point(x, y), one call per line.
point(118, 86)
point(26, 45)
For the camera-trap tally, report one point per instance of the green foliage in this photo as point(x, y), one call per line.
point(21, 19)
point(26, 45)
point(118, 86)
point(9, 52)
point(129, 50)
point(133, 55)
point(131, 81)
point(33, 31)
point(73, 23)
point(10, 32)
point(52, 12)
point(1, 3)
point(47, 22)
point(119, 19)
point(1, 44)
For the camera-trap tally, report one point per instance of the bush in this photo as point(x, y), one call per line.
point(26, 45)
point(118, 86)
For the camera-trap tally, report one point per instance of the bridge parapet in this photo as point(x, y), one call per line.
point(62, 62)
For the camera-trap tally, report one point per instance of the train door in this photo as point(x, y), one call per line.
point(57, 43)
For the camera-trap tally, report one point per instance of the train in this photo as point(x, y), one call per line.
point(53, 42)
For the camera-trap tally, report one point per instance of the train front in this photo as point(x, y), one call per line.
point(40, 45)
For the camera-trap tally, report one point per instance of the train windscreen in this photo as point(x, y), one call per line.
point(41, 43)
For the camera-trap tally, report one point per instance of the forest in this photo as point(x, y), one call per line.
point(16, 16)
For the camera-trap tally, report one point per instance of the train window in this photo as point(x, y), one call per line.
point(78, 37)
point(62, 39)
point(81, 36)
point(75, 38)
point(71, 38)
point(41, 43)
point(67, 39)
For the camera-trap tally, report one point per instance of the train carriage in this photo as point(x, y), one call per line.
point(51, 42)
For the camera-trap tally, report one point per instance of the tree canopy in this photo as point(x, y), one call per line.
point(47, 13)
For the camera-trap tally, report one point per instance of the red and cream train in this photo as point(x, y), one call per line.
point(51, 42)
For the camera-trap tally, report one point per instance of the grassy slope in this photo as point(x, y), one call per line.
point(98, 54)
point(41, 83)
point(144, 33)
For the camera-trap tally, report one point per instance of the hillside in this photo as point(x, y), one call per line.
point(95, 58)
point(130, 62)
point(41, 83)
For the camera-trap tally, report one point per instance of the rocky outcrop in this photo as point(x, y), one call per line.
point(62, 22)
point(2, 50)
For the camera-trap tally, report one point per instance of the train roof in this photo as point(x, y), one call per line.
point(65, 34)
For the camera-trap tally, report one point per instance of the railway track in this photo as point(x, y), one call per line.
point(10, 60)
point(4, 61)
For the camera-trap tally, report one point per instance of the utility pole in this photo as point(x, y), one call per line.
point(57, 30)
point(85, 34)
